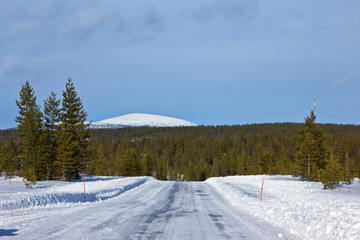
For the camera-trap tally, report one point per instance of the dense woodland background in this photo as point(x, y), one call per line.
point(197, 153)
point(57, 144)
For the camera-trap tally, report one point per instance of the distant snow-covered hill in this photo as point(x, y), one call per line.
point(141, 120)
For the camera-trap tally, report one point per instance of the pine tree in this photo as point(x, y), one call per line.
point(147, 164)
point(161, 172)
point(349, 169)
point(282, 166)
point(100, 168)
point(190, 172)
point(30, 124)
point(199, 171)
point(52, 118)
point(51, 112)
point(8, 159)
point(76, 134)
point(242, 163)
point(119, 161)
point(65, 155)
point(267, 160)
point(331, 175)
point(311, 150)
point(232, 165)
point(132, 166)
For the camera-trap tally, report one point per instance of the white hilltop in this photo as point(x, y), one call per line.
point(140, 120)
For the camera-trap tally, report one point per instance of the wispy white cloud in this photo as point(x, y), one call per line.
point(349, 78)
point(59, 20)
point(244, 9)
point(84, 21)
point(33, 28)
point(54, 19)
point(19, 28)
point(143, 25)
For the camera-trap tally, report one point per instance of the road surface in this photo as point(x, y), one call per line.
point(154, 210)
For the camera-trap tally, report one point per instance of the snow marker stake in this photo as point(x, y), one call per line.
point(84, 184)
point(262, 186)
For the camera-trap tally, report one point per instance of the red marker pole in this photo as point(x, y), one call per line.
point(262, 186)
point(84, 184)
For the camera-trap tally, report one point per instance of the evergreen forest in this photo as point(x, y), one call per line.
point(57, 144)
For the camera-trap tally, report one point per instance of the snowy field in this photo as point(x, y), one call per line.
point(302, 208)
point(135, 206)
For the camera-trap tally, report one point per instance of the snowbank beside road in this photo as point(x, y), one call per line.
point(51, 193)
point(302, 208)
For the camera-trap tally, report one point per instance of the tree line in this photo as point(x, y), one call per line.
point(47, 145)
point(57, 144)
point(317, 152)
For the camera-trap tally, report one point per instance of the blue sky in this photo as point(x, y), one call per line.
point(211, 62)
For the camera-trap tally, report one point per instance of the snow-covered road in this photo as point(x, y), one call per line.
point(145, 208)
point(153, 210)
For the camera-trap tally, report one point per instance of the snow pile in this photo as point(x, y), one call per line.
point(302, 208)
point(51, 193)
point(139, 120)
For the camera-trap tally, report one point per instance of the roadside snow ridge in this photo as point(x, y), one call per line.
point(141, 120)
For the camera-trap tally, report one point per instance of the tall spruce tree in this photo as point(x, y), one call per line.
point(52, 118)
point(311, 149)
point(73, 149)
point(29, 129)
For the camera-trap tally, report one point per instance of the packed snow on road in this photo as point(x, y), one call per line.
point(145, 208)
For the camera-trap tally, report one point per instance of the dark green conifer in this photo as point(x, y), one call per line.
point(119, 161)
point(52, 118)
point(8, 159)
point(132, 166)
point(242, 163)
point(349, 169)
point(311, 150)
point(76, 134)
point(30, 124)
point(331, 174)
point(66, 158)
point(101, 161)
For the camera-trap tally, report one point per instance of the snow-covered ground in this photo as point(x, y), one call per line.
point(302, 208)
point(142, 207)
point(14, 195)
